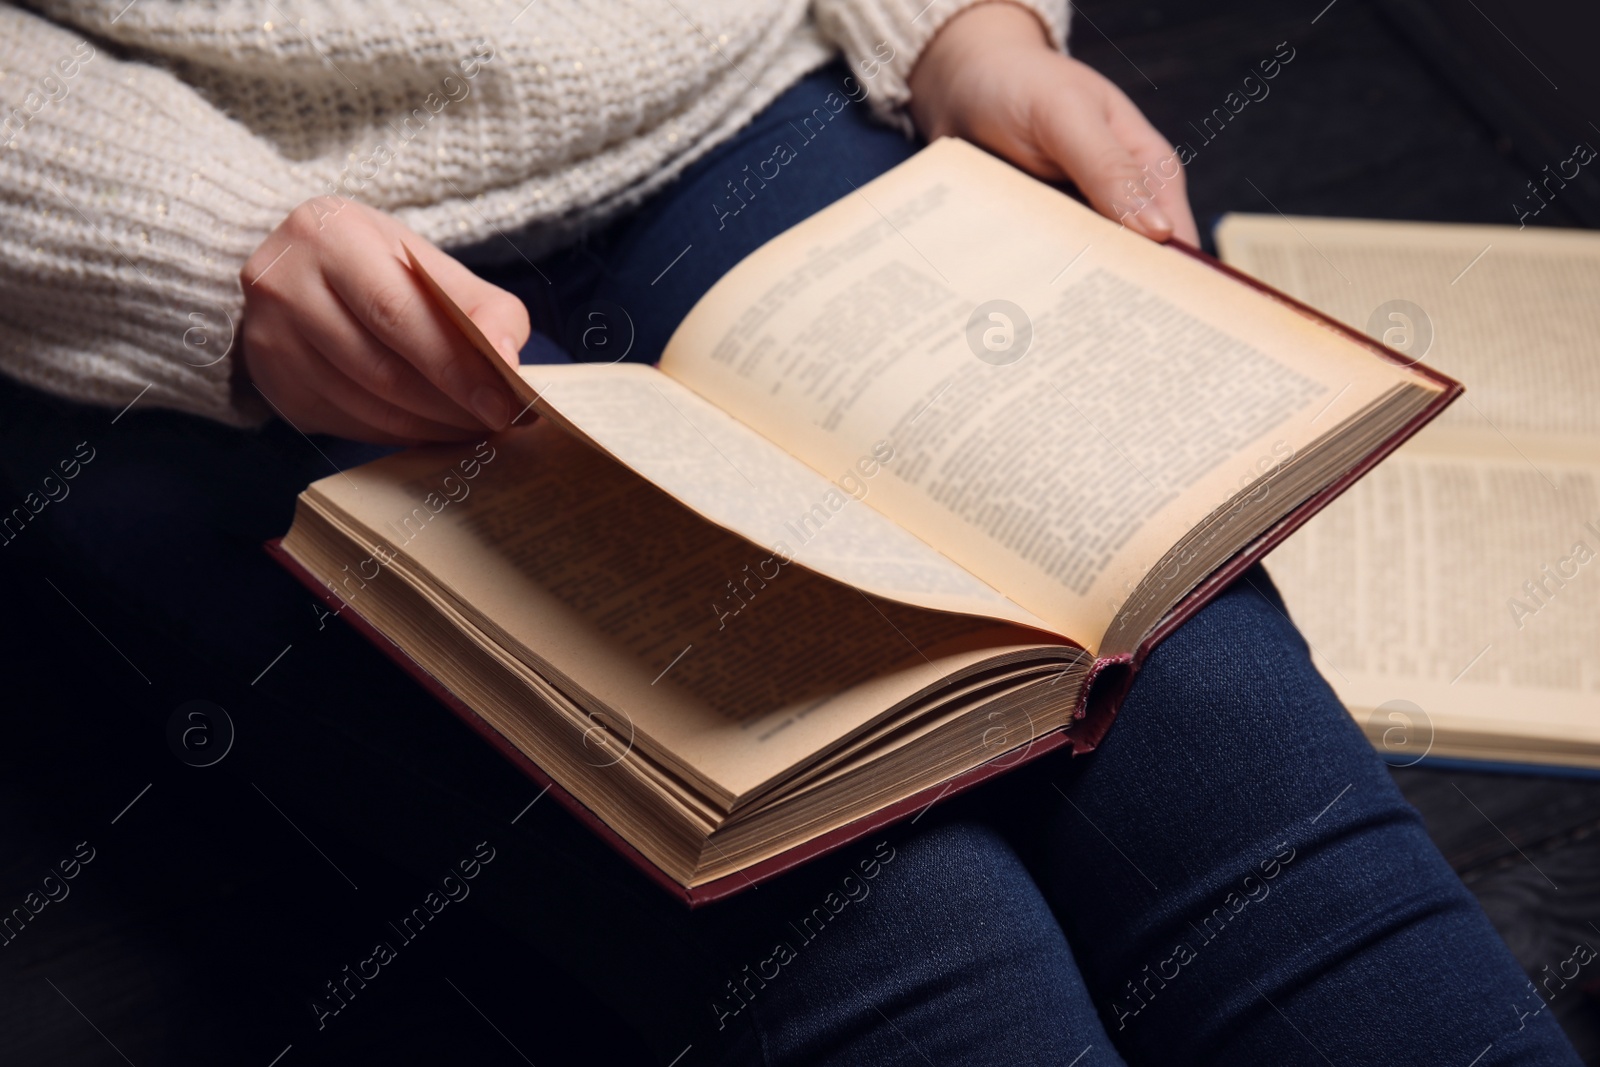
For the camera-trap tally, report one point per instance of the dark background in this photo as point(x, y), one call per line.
point(207, 918)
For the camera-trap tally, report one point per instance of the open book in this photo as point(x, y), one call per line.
point(1453, 598)
point(903, 482)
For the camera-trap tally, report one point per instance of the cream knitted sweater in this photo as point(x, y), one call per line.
point(148, 147)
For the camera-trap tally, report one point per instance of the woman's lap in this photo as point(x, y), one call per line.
point(1232, 770)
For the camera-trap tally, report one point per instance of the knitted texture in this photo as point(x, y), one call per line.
point(147, 148)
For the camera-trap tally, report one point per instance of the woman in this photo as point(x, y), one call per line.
point(207, 269)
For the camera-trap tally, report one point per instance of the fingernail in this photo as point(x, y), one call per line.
point(489, 404)
point(508, 349)
point(1157, 223)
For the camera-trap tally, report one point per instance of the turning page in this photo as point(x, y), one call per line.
point(725, 471)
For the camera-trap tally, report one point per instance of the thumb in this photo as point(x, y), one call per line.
point(500, 316)
point(1082, 144)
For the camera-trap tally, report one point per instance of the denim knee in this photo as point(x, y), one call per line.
point(948, 952)
point(1236, 683)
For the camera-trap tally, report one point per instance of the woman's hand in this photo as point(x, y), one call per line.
point(991, 77)
point(341, 338)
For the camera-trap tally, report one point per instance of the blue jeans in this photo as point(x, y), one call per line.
point(1232, 878)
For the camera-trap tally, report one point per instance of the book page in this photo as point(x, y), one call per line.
point(715, 658)
point(1065, 399)
point(1456, 576)
point(733, 476)
point(1461, 576)
point(1513, 314)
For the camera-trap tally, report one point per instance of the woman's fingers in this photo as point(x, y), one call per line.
point(341, 336)
point(502, 317)
point(1080, 139)
point(390, 302)
point(333, 330)
point(1161, 170)
point(315, 397)
point(990, 75)
point(398, 425)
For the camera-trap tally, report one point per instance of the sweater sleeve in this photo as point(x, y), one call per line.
point(881, 40)
point(129, 203)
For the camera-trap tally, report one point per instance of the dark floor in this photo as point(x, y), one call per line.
point(186, 937)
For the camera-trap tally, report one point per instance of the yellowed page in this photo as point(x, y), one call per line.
point(1462, 577)
point(701, 650)
point(730, 474)
point(1414, 587)
point(1152, 387)
point(1513, 314)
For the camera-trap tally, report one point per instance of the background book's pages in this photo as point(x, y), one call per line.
point(1453, 598)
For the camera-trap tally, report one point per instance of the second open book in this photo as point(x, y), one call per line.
point(1450, 600)
point(903, 482)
